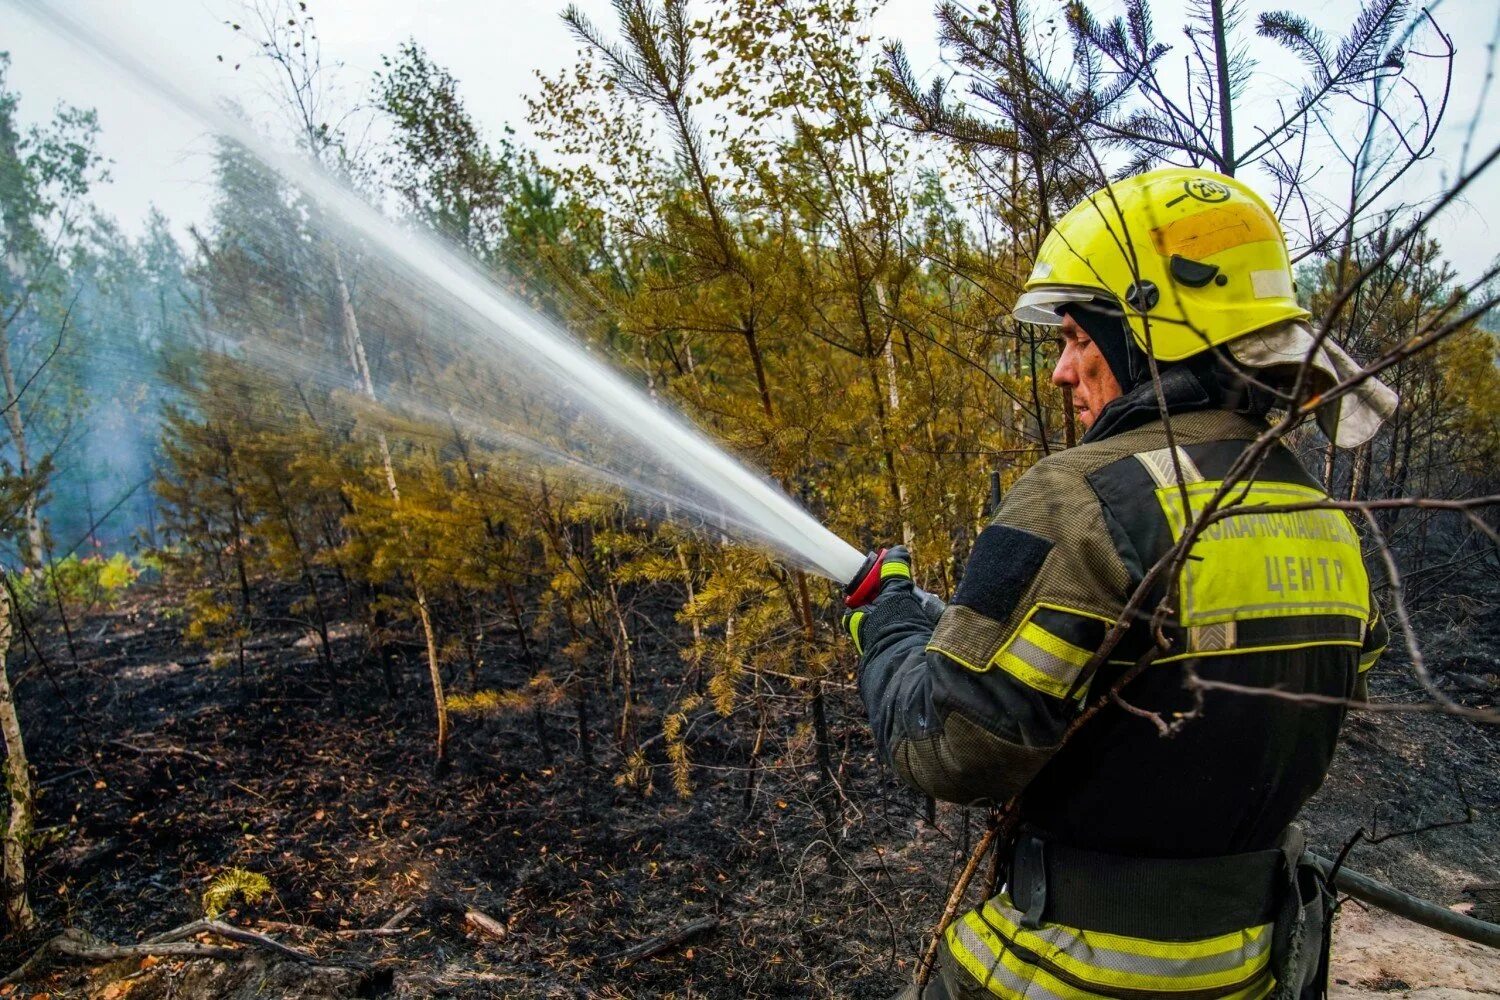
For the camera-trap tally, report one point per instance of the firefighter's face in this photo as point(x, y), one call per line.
point(1082, 368)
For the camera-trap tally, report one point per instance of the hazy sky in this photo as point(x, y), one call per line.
point(495, 49)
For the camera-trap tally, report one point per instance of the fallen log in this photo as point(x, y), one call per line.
point(75, 945)
point(1368, 890)
point(87, 951)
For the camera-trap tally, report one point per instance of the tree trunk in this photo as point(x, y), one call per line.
point(18, 915)
point(1360, 471)
point(441, 764)
point(34, 551)
point(893, 403)
point(1036, 400)
point(695, 668)
point(1222, 58)
point(752, 344)
point(821, 740)
point(581, 710)
point(625, 658)
point(311, 580)
point(356, 347)
point(882, 423)
point(236, 524)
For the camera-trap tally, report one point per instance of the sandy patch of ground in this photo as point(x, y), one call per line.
point(1378, 954)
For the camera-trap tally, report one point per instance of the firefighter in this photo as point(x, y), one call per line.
point(1142, 865)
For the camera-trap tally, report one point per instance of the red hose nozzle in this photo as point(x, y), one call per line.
point(866, 583)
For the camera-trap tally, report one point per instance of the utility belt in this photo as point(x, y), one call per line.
point(1184, 899)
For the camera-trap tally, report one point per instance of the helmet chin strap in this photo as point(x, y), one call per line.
point(1108, 331)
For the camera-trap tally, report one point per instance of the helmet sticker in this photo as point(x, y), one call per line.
point(1272, 284)
point(1041, 271)
point(1203, 234)
point(1202, 189)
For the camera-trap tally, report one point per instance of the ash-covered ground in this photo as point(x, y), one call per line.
point(159, 771)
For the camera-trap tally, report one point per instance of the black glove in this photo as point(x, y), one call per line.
point(894, 569)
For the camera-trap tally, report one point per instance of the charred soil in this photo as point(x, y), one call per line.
point(158, 771)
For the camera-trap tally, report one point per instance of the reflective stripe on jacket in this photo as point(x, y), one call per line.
point(992, 949)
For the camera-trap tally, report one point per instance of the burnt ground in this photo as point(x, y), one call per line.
point(159, 771)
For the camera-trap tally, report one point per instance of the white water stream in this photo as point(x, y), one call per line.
point(600, 426)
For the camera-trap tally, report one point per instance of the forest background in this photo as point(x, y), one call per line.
point(215, 476)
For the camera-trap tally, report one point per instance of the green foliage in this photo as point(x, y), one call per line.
point(448, 175)
point(539, 692)
point(45, 174)
point(210, 621)
point(84, 583)
point(230, 884)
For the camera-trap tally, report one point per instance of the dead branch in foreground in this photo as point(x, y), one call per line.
point(955, 899)
point(664, 942)
point(75, 945)
point(229, 932)
point(391, 928)
point(1367, 890)
point(1313, 698)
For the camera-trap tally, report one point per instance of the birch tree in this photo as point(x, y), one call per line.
point(288, 39)
point(45, 174)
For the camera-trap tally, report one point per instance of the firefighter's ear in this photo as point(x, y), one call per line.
point(1000, 569)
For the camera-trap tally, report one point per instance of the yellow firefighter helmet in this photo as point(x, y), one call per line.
point(1192, 258)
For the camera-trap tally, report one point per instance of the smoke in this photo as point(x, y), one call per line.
point(458, 348)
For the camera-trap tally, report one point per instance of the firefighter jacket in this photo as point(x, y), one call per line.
point(971, 707)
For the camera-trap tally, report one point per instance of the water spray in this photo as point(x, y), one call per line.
point(701, 478)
